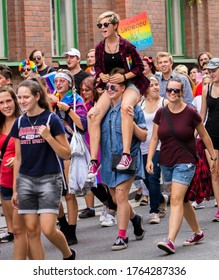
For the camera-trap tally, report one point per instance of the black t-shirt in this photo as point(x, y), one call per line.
point(79, 77)
point(47, 70)
point(112, 60)
point(37, 156)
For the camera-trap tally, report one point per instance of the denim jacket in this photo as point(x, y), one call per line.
point(111, 143)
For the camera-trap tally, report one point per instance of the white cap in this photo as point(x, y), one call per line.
point(72, 52)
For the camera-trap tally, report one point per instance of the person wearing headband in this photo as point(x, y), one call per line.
point(65, 88)
point(149, 67)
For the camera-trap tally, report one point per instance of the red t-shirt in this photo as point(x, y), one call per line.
point(6, 173)
point(184, 123)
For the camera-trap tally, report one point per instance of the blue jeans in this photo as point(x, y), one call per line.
point(152, 181)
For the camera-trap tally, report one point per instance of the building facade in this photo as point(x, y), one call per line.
point(54, 26)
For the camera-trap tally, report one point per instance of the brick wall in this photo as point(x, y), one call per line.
point(29, 26)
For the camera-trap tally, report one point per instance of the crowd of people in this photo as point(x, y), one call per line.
point(133, 113)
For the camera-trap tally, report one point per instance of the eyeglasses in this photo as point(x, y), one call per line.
point(105, 24)
point(26, 69)
point(111, 87)
point(175, 90)
point(38, 57)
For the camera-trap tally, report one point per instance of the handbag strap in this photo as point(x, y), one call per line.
point(58, 159)
point(187, 147)
point(4, 146)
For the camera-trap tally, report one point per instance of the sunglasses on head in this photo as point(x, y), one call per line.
point(111, 87)
point(38, 57)
point(175, 90)
point(147, 58)
point(26, 69)
point(105, 24)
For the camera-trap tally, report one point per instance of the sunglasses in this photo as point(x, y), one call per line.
point(85, 89)
point(175, 90)
point(105, 24)
point(112, 87)
point(26, 69)
point(38, 57)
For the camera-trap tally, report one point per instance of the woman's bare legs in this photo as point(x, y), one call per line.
point(178, 192)
point(32, 224)
point(190, 216)
point(130, 98)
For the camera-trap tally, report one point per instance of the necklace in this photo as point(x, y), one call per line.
point(114, 50)
point(32, 124)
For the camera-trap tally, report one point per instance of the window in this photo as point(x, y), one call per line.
point(175, 27)
point(3, 30)
point(64, 26)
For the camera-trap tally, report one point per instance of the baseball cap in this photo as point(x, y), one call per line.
point(213, 63)
point(72, 52)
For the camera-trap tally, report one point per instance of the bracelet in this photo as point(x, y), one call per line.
point(69, 109)
point(214, 159)
point(124, 78)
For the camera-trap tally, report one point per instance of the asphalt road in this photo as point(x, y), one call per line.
point(95, 241)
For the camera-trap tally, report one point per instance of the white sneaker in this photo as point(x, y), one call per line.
point(196, 206)
point(109, 221)
point(154, 218)
point(103, 213)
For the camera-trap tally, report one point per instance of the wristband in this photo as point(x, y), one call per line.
point(69, 109)
point(124, 78)
point(214, 159)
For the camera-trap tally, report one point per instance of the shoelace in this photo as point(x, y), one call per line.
point(124, 160)
point(120, 240)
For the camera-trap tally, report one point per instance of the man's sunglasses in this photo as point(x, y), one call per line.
point(105, 24)
point(112, 87)
point(38, 57)
point(175, 90)
point(26, 69)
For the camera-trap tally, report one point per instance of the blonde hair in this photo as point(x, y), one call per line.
point(181, 69)
point(113, 17)
point(164, 54)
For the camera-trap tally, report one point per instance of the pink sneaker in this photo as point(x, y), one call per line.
point(216, 217)
point(93, 169)
point(166, 245)
point(124, 163)
point(194, 239)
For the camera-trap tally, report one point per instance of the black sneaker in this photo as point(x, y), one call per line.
point(120, 244)
point(87, 213)
point(9, 237)
point(73, 256)
point(138, 229)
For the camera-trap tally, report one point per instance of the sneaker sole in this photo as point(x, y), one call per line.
point(215, 220)
point(194, 243)
point(122, 167)
point(119, 248)
point(166, 249)
point(107, 225)
point(154, 222)
point(92, 175)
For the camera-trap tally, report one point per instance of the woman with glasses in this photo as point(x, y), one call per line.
point(114, 51)
point(26, 68)
point(111, 143)
point(176, 162)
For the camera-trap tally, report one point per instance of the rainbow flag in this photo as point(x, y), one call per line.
point(137, 30)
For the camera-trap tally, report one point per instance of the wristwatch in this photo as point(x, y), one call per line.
point(214, 159)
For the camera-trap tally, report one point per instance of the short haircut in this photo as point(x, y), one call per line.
point(164, 54)
point(5, 71)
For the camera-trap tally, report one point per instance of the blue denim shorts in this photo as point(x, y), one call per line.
point(180, 173)
point(38, 195)
point(6, 193)
point(132, 86)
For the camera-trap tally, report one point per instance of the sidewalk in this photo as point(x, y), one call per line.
point(81, 206)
